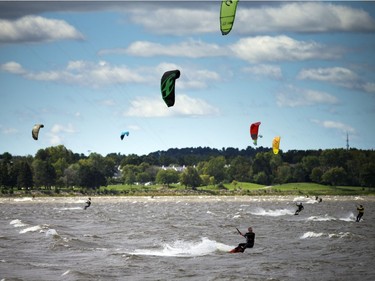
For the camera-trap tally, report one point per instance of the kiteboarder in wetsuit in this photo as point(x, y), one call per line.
point(361, 211)
point(300, 208)
point(250, 237)
point(88, 202)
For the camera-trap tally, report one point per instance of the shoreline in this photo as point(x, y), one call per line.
point(177, 199)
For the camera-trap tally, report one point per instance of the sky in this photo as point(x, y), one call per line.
point(88, 71)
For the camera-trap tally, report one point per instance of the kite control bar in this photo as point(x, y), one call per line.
point(239, 231)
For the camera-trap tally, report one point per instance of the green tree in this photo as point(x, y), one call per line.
point(367, 175)
point(316, 175)
point(216, 168)
point(25, 175)
point(91, 177)
point(44, 173)
point(240, 169)
point(190, 177)
point(167, 177)
point(284, 174)
point(129, 173)
point(334, 176)
point(261, 178)
point(71, 175)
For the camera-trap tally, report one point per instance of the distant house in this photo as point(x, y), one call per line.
point(173, 167)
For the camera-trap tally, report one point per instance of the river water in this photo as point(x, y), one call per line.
point(186, 238)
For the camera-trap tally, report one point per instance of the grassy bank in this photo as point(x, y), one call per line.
point(246, 189)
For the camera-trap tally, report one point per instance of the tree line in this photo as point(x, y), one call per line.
point(59, 167)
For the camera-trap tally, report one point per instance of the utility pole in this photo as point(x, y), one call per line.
point(347, 141)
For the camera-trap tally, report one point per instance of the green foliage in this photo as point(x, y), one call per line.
point(57, 166)
point(167, 177)
point(190, 177)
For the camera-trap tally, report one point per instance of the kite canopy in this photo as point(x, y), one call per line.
point(167, 86)
point(227, 15)
point(35, 131)
point(123, 134)
point(254, 132)
point(276, 144)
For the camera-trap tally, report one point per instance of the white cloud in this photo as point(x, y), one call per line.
point(184, 106)
point(339, 76)
point(295, 97)
point(59, 128)
point(333, 74)
point(58, 131)
point(100, 74)
point(328, 124)
point(190, 49)
point(280, 48)
point(36, 29)
point(303, 17)
point(251, 49)
point(8, 130)
point(176, 21)
point(82, 73)
point(250, 19)
point(268, 70)
point(12, 67)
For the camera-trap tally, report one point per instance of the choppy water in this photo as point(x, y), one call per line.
point(185, 238)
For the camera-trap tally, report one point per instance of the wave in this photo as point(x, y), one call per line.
point(311, 234)
point(23, 199)
point(349, 217)
point(17, 223)
point(68, 208)
point(306, 200)
point(181, 248)
point(272, 213)
point(31, 229)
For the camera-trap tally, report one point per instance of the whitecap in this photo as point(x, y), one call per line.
point(321, 218)
point(181, 248)
point(272, 213)
point(31, 229)
point(17, 223)
point(23, 199)
point(311, 234)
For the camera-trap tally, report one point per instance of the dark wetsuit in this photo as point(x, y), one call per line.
point(250, 237)
point(300, 208)
point(361, 211)
point(88, 202)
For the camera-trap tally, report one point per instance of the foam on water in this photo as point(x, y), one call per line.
point(306, 200)
point(17, 223)
point(181, 248)
point(272, 213)
point(23, 199)
point(326, 217)
point(68, 208)
point(311, 234)
point(31, 229)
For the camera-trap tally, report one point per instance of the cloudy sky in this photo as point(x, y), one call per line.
point(90, 70)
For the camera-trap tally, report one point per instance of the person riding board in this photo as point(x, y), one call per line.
point(300, 208)
point(250, 237)
point(361, 211)
point(88, 202)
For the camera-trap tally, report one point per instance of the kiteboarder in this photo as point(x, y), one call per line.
point(250, 237)
point(88, 202)
point(300, 208)
point(361, 211)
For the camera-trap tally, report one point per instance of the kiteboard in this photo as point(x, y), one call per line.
point(237, 250)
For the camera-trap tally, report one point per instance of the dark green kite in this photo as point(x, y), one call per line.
point(168, 81)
